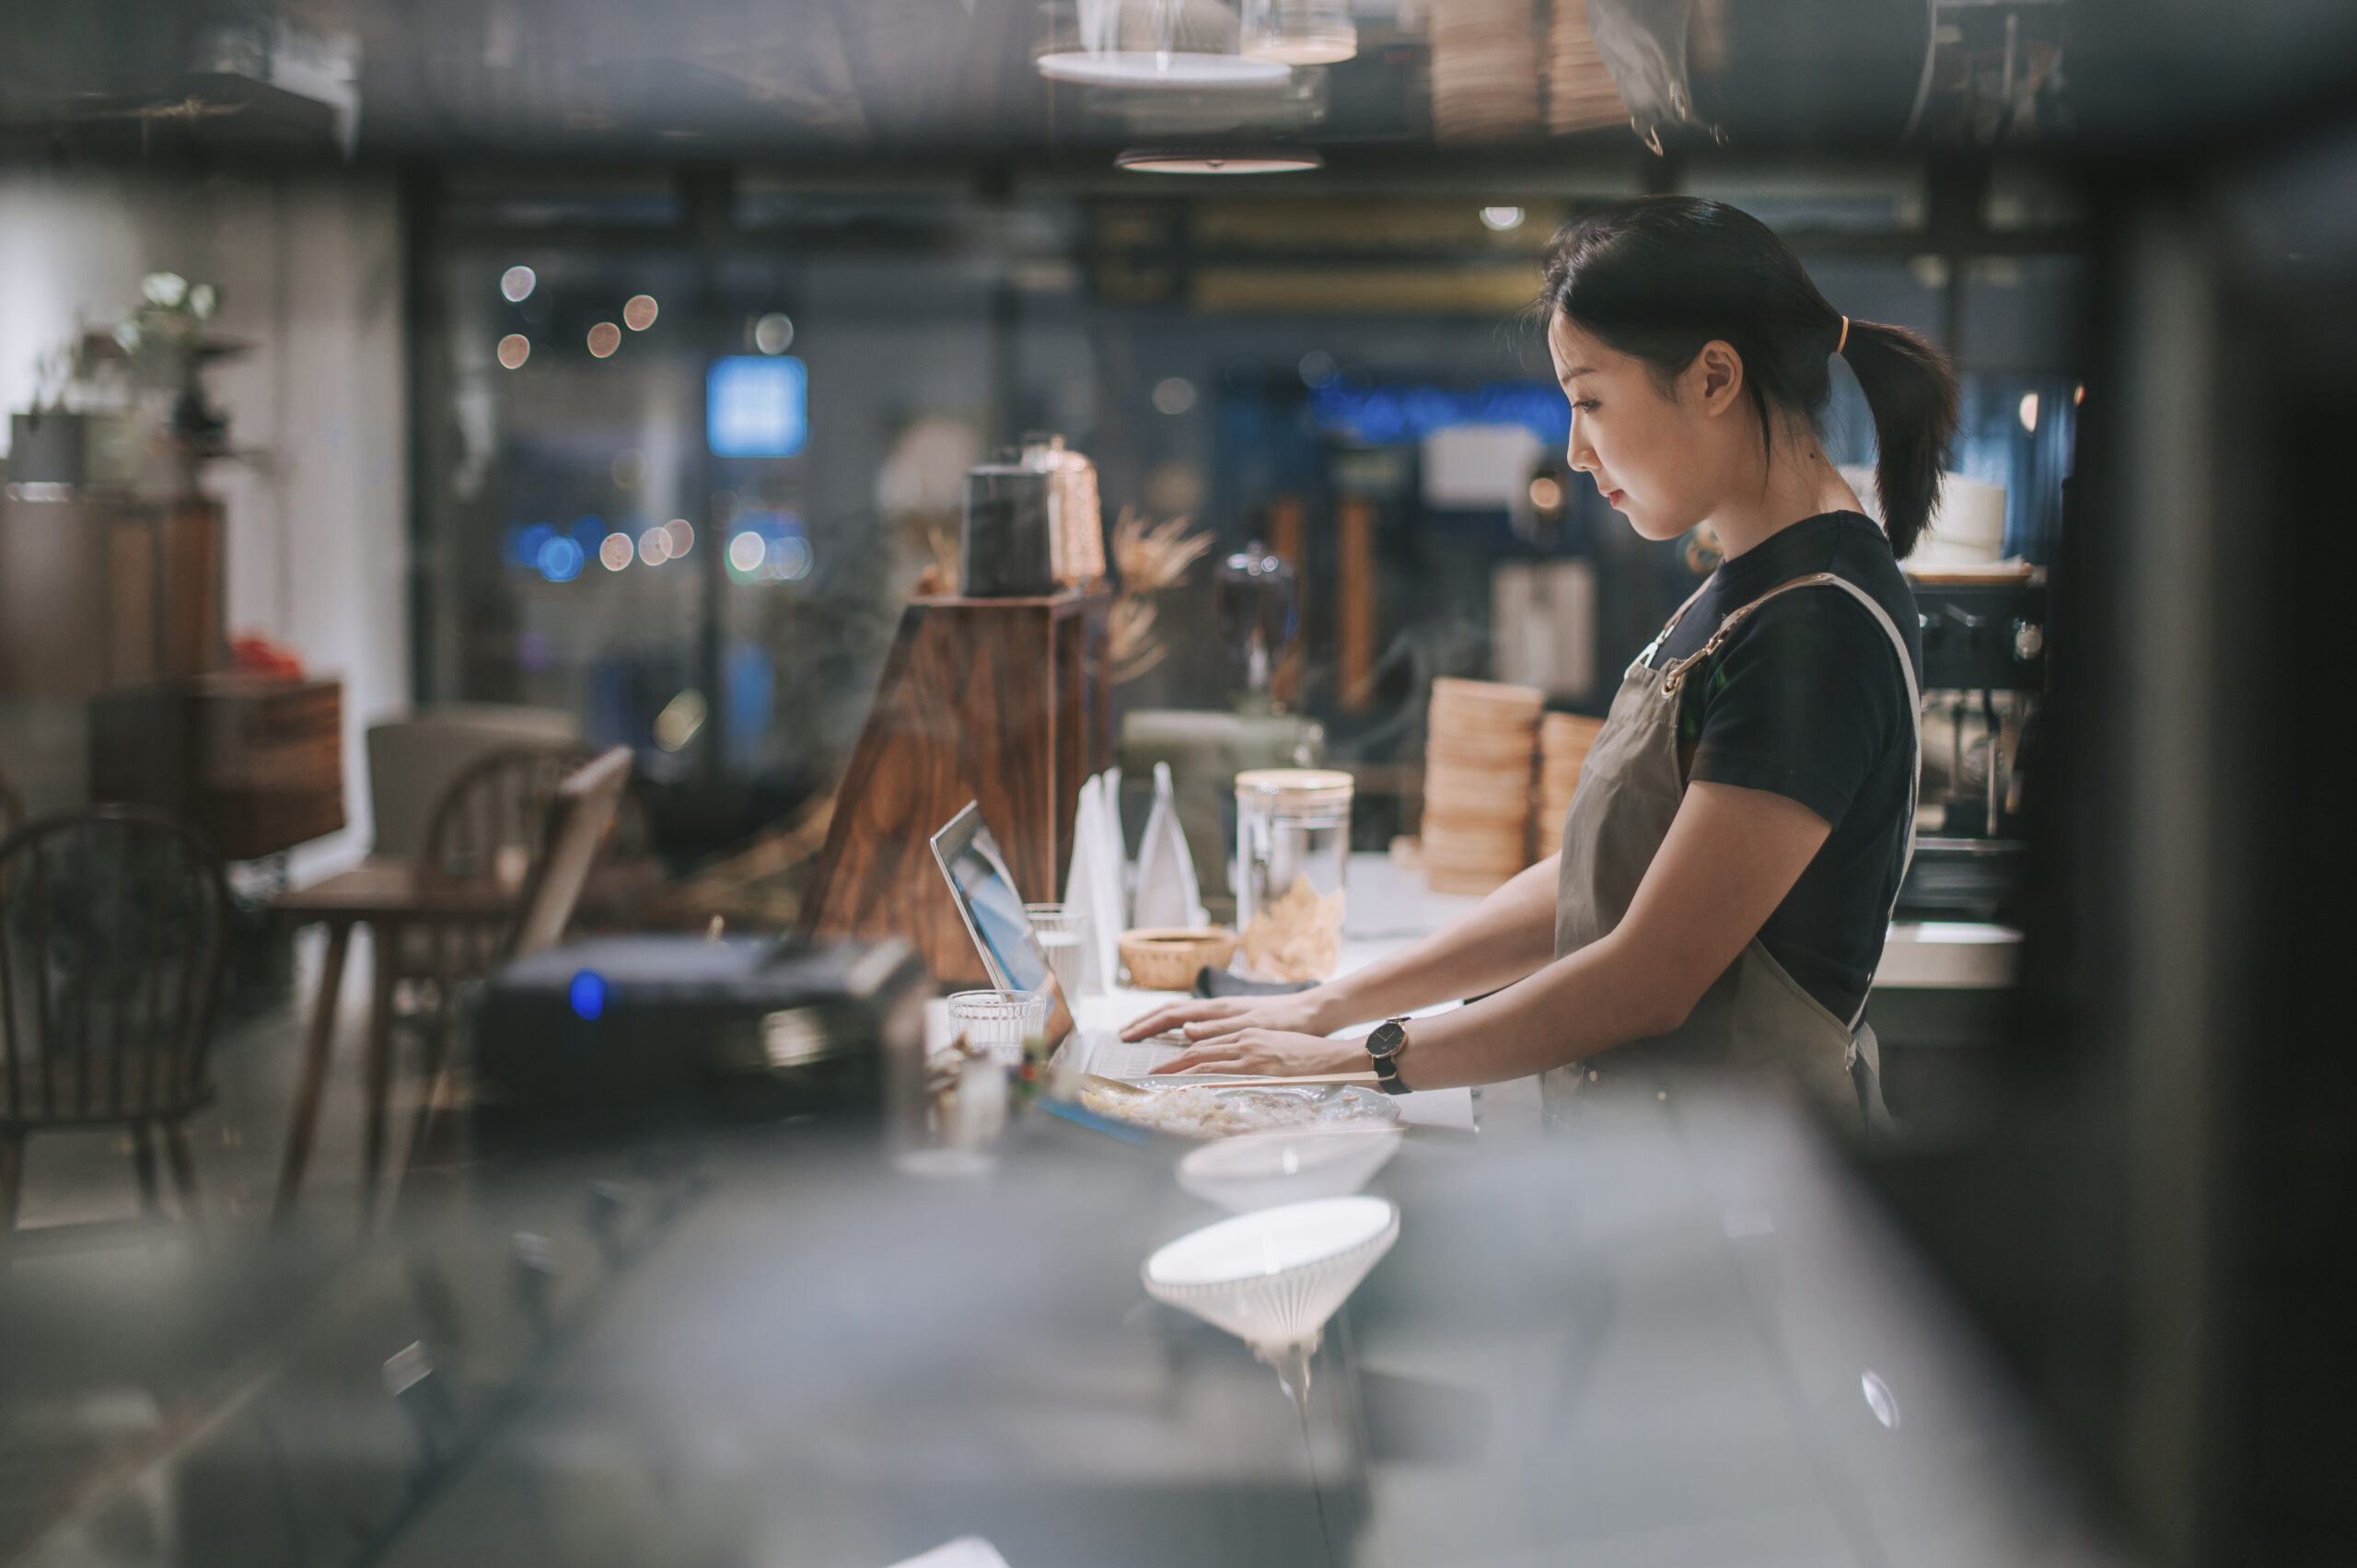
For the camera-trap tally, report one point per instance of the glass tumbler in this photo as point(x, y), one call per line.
point(999, 1021)
point(1064, 933)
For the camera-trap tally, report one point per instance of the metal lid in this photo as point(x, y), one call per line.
point(1300, 792)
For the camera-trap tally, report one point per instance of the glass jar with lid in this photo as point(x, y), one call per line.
point(1292, 850)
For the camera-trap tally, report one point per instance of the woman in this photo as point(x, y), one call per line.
point(1735, 849)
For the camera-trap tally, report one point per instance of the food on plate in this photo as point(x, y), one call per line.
point(1211, 1110)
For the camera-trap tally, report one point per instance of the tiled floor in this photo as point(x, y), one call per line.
point(111, 1339)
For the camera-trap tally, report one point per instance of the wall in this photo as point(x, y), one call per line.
point(309, 267)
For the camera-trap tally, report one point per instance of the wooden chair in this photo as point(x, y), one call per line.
point(489, 826)
point(113, 932)
point(578, 822)
point(441, 925)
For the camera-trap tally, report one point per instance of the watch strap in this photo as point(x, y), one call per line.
point(1387, 1063)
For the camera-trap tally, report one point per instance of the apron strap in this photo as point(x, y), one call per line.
point(1675, 675)
point(1646, 656)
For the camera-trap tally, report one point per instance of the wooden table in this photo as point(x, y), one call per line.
point(390, 895)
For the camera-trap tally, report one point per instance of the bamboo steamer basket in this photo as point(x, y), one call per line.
point(1168, 957)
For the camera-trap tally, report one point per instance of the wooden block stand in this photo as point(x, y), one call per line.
point(256, 763)
point(1005, 702)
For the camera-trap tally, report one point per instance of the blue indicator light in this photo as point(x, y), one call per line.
point(587, 994)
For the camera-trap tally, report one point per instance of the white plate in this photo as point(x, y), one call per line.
point(1144, 68)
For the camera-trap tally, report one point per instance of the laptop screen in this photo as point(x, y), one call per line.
point(986, 897)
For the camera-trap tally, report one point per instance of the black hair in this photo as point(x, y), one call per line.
point(1658, 277)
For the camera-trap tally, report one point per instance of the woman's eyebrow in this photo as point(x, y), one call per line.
point(1575, 375)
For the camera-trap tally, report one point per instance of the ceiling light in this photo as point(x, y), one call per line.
point(1219, 160)
point(1154, 68)
point(1299, 32)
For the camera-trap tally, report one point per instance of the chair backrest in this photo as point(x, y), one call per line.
point(414, 757)
point(490, 820)
point(114, 930)
point(586, 803)
point(493, 820)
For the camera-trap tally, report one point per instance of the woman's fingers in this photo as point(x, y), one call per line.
point(1195, 1061)
point(1173, 1014)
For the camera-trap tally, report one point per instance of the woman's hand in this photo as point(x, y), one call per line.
point(1211, 1018)
point(1274, 1051)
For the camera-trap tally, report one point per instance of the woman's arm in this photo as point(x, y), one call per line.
point(1731, 855)
point(1507, 936)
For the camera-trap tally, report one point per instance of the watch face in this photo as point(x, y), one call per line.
point(1386, 1039)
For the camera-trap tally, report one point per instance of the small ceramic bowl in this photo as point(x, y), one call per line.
point(1166, 957)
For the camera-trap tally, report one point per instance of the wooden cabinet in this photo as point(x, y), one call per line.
point(1004, 702)
point(97, 594)
point(257, 763)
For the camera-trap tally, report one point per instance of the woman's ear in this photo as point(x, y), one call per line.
point(1716, 376)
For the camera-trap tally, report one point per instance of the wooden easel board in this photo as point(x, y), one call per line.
point(1002, 702)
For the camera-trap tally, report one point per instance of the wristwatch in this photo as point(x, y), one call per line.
point(1383, 1046)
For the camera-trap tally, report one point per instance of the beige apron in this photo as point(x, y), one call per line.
point(1755, 1018)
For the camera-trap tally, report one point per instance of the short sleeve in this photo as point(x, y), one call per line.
point(1803, 701)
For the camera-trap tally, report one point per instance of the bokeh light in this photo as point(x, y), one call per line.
point(1317, 368)
point(639, 313)
point(604, 338)
point(514, 350)
point(1499, 220)
point(1545, 493)
point(681, 536)
point(773, 333)
point(681, 718)
point(745, 553)
point(1174, 394)
point(516, 284)
point(616, 552)
point(2029, 412)
point(789, 558)
point(559, 559)
point(655, 547)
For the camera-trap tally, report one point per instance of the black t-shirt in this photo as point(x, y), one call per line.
point(1806, 699)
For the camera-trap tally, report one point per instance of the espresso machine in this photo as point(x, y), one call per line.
point(1984, 678)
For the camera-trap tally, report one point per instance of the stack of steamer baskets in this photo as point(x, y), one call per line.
point(1563, 740)
point(1477, 783)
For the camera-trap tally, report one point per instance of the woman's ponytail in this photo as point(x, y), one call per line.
point(1913, 395)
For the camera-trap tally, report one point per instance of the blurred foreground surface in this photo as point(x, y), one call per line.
point(1681, 1339)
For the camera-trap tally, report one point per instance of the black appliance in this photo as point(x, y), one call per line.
point(624, 1031)
point(1984, 672)
point(1007, 548)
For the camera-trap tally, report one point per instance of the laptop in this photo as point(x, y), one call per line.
point(1011, 951)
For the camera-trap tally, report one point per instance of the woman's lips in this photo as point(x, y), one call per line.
point(1613, 498)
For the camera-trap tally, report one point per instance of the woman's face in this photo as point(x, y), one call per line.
point(1659, 460)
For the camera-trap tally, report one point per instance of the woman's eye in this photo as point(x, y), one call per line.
point(1585, 403)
